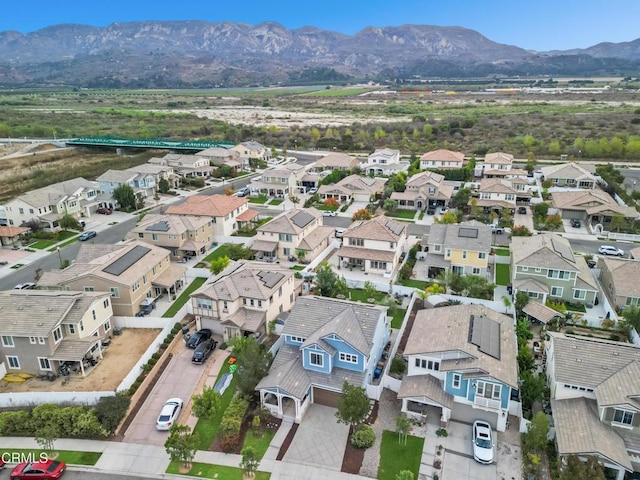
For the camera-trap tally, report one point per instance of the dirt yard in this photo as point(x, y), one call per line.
point(119, 359)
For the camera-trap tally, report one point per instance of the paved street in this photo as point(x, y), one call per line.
point(591, 246)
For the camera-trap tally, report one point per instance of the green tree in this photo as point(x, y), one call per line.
point(326, 279)
point(206, 404)
point(237, 251)
point(507, 303)
point(525, 360)
point(522, 298)
point(125, 196)
point(253, 361)
point(632, 316)
point(574, 468)
point(476, 211)
point(461, 198)
point(449, 217)
point(46, 434)
point(362, 214)
point(370, 291)
point(553, 222)
point(163, 185)
point(390, 205)
point(520, 231)
point(402, 427)
point(250, 461)
point(181, 445)
point(111, 410)
point(219, 264)
point(541, 210)
point(69, 222)
point(535, 438)
point(618, 222)
point(353, 405)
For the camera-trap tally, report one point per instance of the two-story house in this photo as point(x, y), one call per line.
point(374, 246)
point(441, 159)
point(160, 172)
point(143, 184)
point(385, 161)
point(294, 233)
point(500, 165)
point(423, 190)
point(40, 330)
point(462, 361)
point(460, 248)
point(183, 235)
point(595, 386)
point(219, 157)
point(243, 298)
point(569, 175)
point(252, 150)
point(226, 212)
point(335, 161)
point(280, 181)
point(47, 205)
point(354, 187)
point(619, 279)
point(133, 272)
point(185, 165)
point(545, 267)
point(496, 194)
point(327, 342)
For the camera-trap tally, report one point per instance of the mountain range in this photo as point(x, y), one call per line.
point(152, 54)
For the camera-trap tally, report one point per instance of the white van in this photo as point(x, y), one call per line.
point(339, 232)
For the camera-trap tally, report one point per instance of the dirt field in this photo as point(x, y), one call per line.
point(119, 358)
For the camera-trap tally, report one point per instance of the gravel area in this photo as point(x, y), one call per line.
point(388, 411)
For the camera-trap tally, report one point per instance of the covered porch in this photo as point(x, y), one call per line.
point(419, 392)
point(170, 281)
point(12, 236)
point(77, 356)
point(189, 250)
point(282, 404)
point(243, 323)
point(265, 250)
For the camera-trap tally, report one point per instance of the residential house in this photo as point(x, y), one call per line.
point(185, 236)
point(133, 272)
point(423, 190)
point(374, 246)
point(441, 159)
point(143, 184)
point(47, 205)
point(460, 248)
point(185, 165)
point(244, 298)
point(619, 279)
point(226, 212)
point(496, 194)
point(545, 267)
point(335, 161)
point(569, 175)
point(462, 361)
point(160, 172)
point(500, 165)
point(327, 342)
point(12, 236)
point(595, 207)
point(219, 157)
point(295, 233)
point(41, 330)
point(385, 161)
point(354, 188)
point(280, 181)
point(595, 385)
point(252, 150)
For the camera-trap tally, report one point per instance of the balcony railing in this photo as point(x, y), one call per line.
point(488, 403)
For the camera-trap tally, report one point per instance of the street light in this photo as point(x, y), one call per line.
point(60, 257)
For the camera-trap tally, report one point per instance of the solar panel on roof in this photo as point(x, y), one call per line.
point(270, 279)
point(126, 260)
point(485, 334)
point(302, 219)
point(468, 233)
point(161, 226)
point(395, 227)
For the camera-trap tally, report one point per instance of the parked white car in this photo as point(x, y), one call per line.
point(328, 213)
point(169, 414)
point(482, 442)
point(610, 250)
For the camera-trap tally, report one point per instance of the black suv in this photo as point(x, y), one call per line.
point(575, 223)
point(199, 337)
point(203, 351)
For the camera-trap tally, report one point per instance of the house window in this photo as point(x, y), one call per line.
point(623, 417)
point(348, 357)
point(41, 340)
point(107, 326)
point(561, 274)
point(89, 289)
point(204, 303)
point(45, 364)
point(259, 303)
point(115, 293)
point(456, 381)
point(286, 251)
point(140, 235)
point(13, 362)
point(57, 335)
point(579, 294)
point(297, 339)
point(532, 294)
point(135, 286)
point(32, 340)
point(556, 291)
point(475, 271)
point(437, 248)
point(356, 242)
point(482, 255)
point(105, 304)
point(316, 359)
point(631, 301)
point(285, 237)
point(448, 253)
point(525, 269)
point(71, 328)
point(7, 341)
point(378, 265)
point(251, 302)
point(428, 364)
point(93, 314)
point(538, 269)
point(464, 254)
point(82, 325)
point(144, 279)
point(488, 390)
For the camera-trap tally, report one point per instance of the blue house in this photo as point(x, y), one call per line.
point(326, 342)
point(462, 361)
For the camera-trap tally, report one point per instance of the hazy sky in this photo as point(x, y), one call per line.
point(535, 25)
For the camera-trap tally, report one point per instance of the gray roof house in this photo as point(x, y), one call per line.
point(619, 279)
point(327, 342)
point(423, 190)
point(595, 386)
point(569, 175)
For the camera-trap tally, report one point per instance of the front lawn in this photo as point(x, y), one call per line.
point(297, 268)
point(259, 443)
point(184, 297)
point(42, 244)
point(276, 202)
point(395, 457)
point(408, 214)
point(260, 199)
point(503, 276)
point(220, 251)
point(398, 316)
point(67, 456)
point(205, 470)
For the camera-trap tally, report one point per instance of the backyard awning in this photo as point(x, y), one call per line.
point(264, 246)
point(247, 216)
point(366, 254)
point(170, 276)
point(74, 350)
point(540, 312)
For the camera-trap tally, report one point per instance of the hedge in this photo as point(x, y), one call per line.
point(231, 423)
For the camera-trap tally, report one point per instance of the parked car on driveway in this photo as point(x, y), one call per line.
point(497, 229)
point(104, 211)
point(482, 442)
point(328, 213)
point(431, 210)
point(575, 223)
point(169, 413)
point(87, 235)
point(522, 210)
point(199, 337)
point(25, 286)
point(203, 351)
point(313, 191)
point(244, 191)
point(40, 470)
point(610, 250)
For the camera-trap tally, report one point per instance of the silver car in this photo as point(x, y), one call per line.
point(169, 414)
point(610, 250)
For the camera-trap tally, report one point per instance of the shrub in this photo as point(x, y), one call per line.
point(152, 361)
point(442, 432)
point(223, 346)
point(16, 424)
point(363, 437)
point(398, 366)
point(111, 410)
point(156, 355)
point(164, 345)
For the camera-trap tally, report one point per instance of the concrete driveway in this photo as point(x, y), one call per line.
point(320, 440)
point(180, 379)
point(458, 461)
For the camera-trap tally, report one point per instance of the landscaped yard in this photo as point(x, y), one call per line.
point(67, 456)
point(503, 276)
point(59, 237)
point(419, 284)
point(259, 443)
point(276, 202)
point(395, 457)
point(398, 316)
point(205, 470)
point(358, 295)
point(184, 297)
point(261, 199)
point(220, 251)
point(503, 252)
point(408, 214)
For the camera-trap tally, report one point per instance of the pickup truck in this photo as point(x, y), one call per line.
point(497, 229)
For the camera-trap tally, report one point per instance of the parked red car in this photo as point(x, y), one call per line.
point(42, 470)
point(104, 211)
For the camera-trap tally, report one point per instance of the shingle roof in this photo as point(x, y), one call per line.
point(169, 224)
point(292, 221)
point(497, 185)
point(625, 275)
point(582, 199)
point(208, 205)
point(567, 171)
point(443, 154)
point(378, 228)
point(52, 194)
point(546, 250)
point(338, 160)
point(425, 386)
point(472, 236)
point(499, 158)
point(448, 329)
point(358, 184)
point(117, 176)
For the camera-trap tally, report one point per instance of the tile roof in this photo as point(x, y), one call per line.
point(378, 228)
point(582, 199)
point(316, 237)
point(218, 152)
point(585, 280)
point(546, 250)
point(168, 224)
point(338, 160)
point(247, 216)
point(169, 276)
point(358, 184)
point(366, 254)
point(425, 178)
point(52, 194)
point(579, 431)
point(443, 154)
point(385, 152)
point(448, 329)
point(117, 176)
point(208, 205)
point(245, 319)
point(621, 388)
point(7, 231)
point(540, 312)
point(497, 185)
point(499, 158)
point(425, 386)
point(292, 221)
point(567, 171)
point(473, 236)
point(530, 285)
